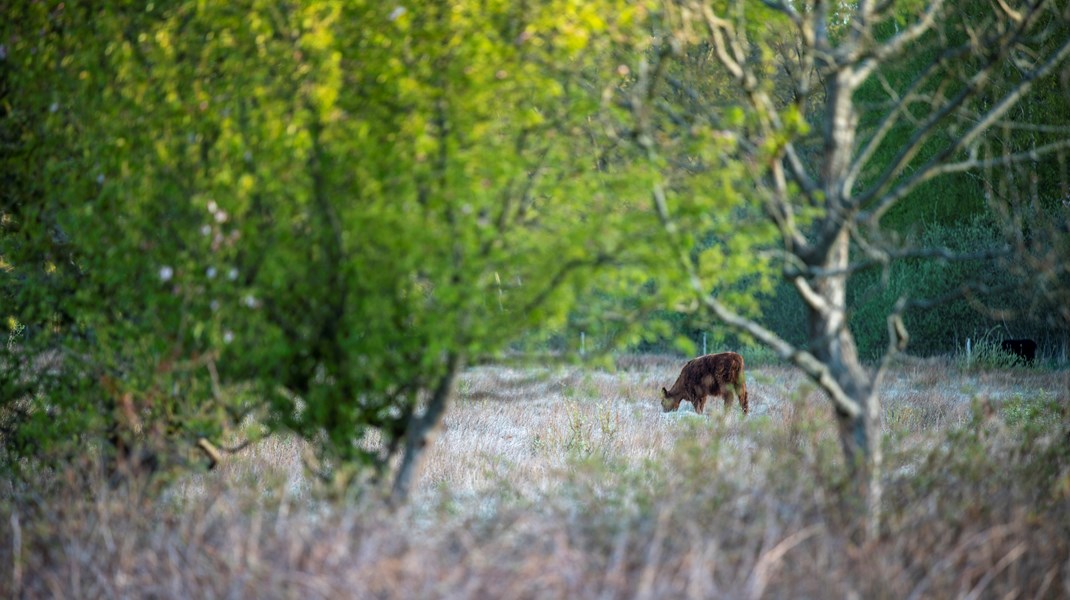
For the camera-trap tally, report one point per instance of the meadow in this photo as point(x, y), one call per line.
point(570, 482)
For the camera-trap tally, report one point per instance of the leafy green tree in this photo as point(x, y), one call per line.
point(799, 151)
point(319, 211)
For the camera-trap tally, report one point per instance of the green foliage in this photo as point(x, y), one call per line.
point(1040, 413)
point(322, 210)
point(1036, 464)
point(987, 355)
point(1043, 419)
point(939, 329)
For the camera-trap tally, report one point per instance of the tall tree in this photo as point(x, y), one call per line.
point(327, 207)
point(823, 165)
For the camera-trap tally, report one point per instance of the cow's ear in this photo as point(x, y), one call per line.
point(665, 392)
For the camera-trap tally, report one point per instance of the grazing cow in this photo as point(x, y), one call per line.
point(711, 375)
point(1024, 349)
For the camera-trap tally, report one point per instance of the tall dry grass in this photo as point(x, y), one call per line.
point(570, 483)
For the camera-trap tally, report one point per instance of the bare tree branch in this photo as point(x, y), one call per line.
point(968, 290)
point(922, 135)
point(811, 297)
point(798, 173)
point(895, 46)
point(902, 107)
point(879, 257)
point(973, 163)
point(980, 80)
point(778, 208)
point(937, 163)
point(718, 27)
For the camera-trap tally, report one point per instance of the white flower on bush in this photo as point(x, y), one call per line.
point(250, 301)
point(228, 337)
point(232, 274)
point(206, 230)
point(221, 216)
point(214, 305)
point(397, 12)
point(166, 273)
point(210, 273)
point(212, 206)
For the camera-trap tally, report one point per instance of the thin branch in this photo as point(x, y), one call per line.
point(898, 338)
point(968, 290)
point(897, 45)
point(1013, 14)
point(936, 164)
point(811, 297)
point(718, 27)
point(522, 196)
point(763, 567)
point(902, 106)
point(779, 209)
point(210, 452)
point(1014, 554)
point(922, 135)
point(559, 278)
point(860, 24)
point(974, 86)
point(1033, 127)
point(1032, 155)
point(798, 172)
point(883, 257)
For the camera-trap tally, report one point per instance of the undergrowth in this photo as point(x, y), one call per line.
point(726, 507)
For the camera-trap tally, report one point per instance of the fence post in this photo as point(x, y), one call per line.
point(583, 343)
point(703, 343)
point(968, 352)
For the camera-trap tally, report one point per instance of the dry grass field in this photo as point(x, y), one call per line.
point(569, 482)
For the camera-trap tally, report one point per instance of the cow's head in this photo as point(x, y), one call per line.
point(667, 401)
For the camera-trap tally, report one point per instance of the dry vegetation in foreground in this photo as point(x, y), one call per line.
point(570, 482)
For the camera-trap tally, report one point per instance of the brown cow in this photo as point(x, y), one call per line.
point(711, 375)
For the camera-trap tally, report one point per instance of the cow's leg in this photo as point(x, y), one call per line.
point(695, 397)
point(733, 394)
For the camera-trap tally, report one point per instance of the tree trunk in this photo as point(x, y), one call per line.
point(832, 343)
point(419, 430)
